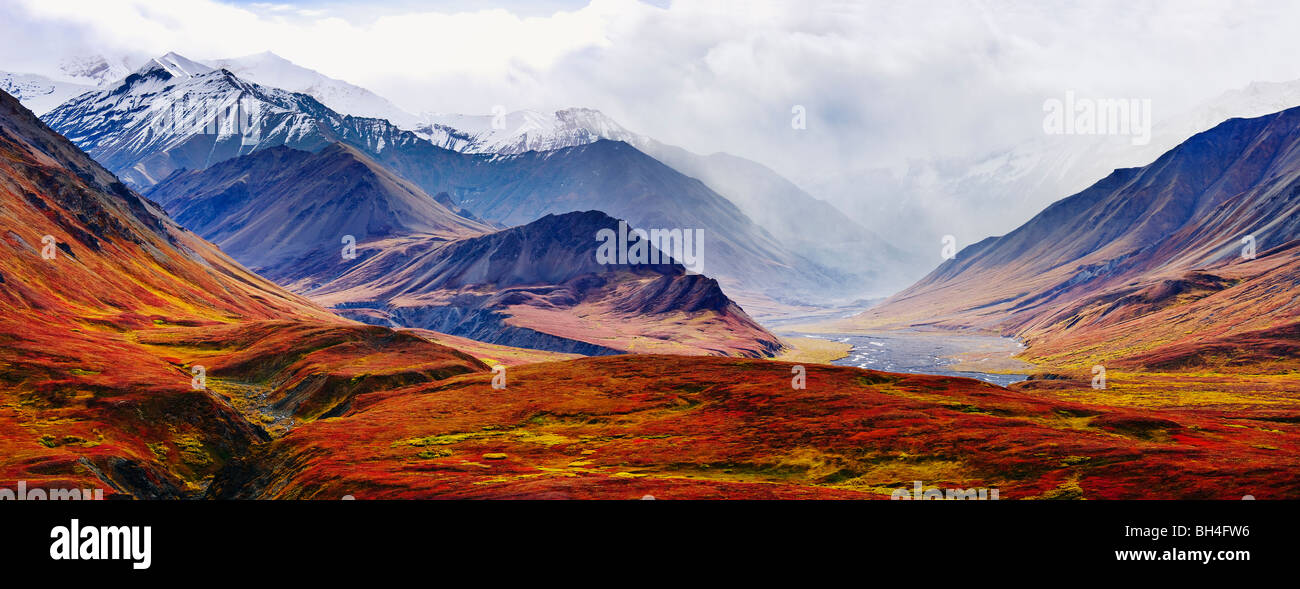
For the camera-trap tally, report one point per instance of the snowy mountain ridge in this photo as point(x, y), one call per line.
point(269, 69)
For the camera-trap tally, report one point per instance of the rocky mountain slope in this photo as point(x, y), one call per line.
point(993, 193)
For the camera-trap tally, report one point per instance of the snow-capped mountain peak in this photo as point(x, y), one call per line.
point(594, 121)
point(39, 93)
point(93, 70)
point(175, 113)
point(177, 65)
point(522, 131)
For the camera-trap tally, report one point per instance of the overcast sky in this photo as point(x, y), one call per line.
point(881, 82)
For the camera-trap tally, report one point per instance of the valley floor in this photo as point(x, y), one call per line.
point(310, 410)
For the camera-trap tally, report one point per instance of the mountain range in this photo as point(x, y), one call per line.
point(935, 197)
point(174, 113)
point(968, 198)
point(168, 116)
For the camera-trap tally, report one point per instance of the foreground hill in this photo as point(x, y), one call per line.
point(1146, 267)
point(81, 244)
point(92, 272)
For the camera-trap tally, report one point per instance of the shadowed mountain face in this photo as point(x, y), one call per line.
point(541, 286)
point(160, 120)
point(285, 213)
point(418, 264)
point(1146, 261)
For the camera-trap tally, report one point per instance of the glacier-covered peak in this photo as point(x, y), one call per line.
point(522, 130)
point(272, 70)
point(91, 70)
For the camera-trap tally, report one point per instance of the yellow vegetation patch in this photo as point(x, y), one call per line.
point(518, 436)
point(813, 350)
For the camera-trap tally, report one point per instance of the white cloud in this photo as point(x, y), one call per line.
point(883, 81)
point(484, 42)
